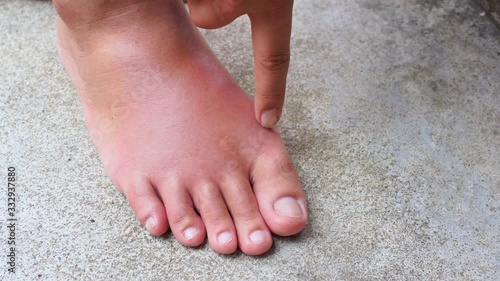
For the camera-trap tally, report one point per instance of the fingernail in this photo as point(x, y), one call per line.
point(288, 206)
point(190, 232)
point(269, 118)
point(150, 223)
point(258, 236)
point(225, 237)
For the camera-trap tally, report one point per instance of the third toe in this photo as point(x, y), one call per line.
point(220, 228)
point(254, 237)
point(185, 223)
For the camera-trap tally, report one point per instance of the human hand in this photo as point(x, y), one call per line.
point(271, 22)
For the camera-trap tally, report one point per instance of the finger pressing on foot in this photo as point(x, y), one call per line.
point(271, 30)
point(218, 223)
point(147, 206)
point(185, 223)
point(279, 193)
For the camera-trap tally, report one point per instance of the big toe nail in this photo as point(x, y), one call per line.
point(289, 207)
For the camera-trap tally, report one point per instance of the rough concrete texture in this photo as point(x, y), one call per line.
point(392, 119)
point(492, 8)
point(489, 5)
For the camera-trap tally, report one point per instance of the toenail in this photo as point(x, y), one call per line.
point(190, 232)
point(289, 207)
point(269, 118)
point(225, 237)
point(258, 236)
point(150, 223)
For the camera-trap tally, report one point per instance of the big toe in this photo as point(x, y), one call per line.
point(279, 193)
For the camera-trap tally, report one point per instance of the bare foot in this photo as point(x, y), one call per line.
point(175, 133)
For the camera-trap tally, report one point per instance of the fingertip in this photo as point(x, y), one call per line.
point(269, 118)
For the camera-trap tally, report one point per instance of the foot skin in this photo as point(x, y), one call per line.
point(175, 133)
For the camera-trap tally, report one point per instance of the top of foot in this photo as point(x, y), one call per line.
point(176, 134)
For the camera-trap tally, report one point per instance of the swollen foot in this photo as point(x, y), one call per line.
point(175, 133)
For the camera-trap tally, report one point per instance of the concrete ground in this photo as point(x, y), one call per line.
point(392, 119)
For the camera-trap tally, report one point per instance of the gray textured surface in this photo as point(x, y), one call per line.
point(492, 8)
point(392, 118)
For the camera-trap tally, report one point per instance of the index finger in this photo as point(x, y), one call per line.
point(271, 30)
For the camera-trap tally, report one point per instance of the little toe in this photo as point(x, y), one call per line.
point(185, 223)
point(221, 232)
point(280, 196)
point(147, 206)
point(254, 237)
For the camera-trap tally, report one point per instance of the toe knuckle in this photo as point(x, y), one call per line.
point(245, 210)
point(179, 218)
point(207, 193)
point(244, 217)
point(216, 221)
point(284, 167)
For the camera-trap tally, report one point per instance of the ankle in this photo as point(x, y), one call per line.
point(90, 24)
point(78, 14)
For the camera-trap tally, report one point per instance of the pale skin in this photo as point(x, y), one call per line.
point(175, 133)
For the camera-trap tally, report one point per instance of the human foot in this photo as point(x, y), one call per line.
point(175, 133)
